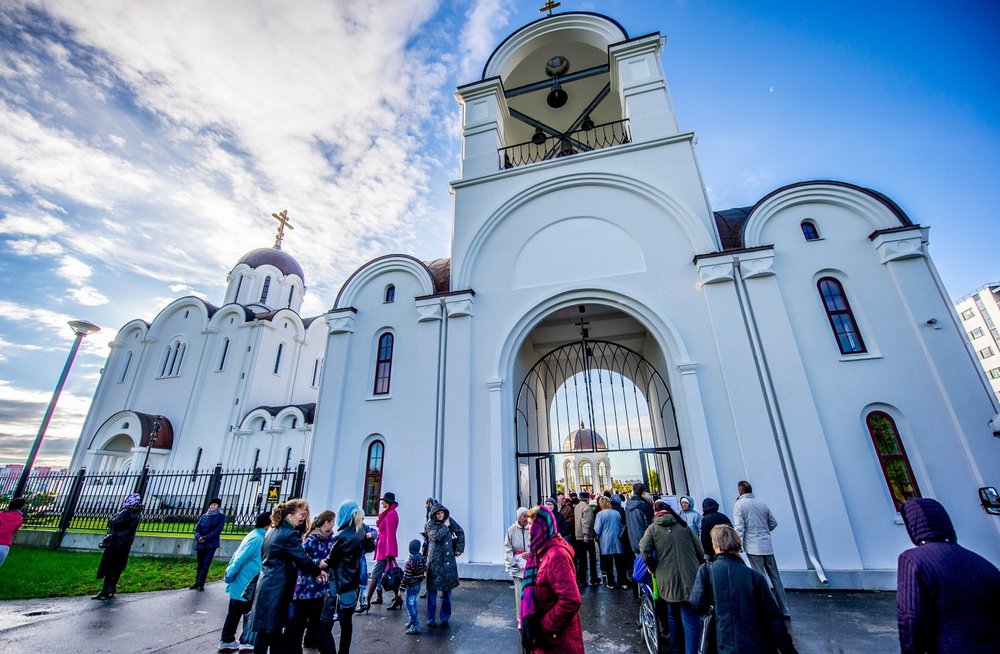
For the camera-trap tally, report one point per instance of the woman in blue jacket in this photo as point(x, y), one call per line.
point(207, 535)
point(241, 582)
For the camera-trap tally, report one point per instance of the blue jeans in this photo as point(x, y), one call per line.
point(412, 594)
point(680, 615)
point(432, 606)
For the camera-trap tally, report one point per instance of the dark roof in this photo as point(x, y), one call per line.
point(308, 410)
point(441, 274)
point(273, 257)
point(730, 225)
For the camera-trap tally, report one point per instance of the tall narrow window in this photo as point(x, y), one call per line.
point(383, 365)
point(603, 480)
point(225, 351)
point(277, 358)
point(166, 360)
point(239, 285)
point(373, 477)
point(586, 477)
point(291, 294)
point(838, 310)
point(390, 293)
point(173, 358)
point(570, 477)
point(892, 457)
point(128, 362)
point(809, 230)
point(263, 293)
point(315, 372)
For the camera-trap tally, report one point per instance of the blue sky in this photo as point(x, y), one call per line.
point(144, 145)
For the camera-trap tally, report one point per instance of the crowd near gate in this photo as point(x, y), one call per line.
point(172, 500)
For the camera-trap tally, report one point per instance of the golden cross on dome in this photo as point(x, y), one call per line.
point(549, 6)
point(283, 222)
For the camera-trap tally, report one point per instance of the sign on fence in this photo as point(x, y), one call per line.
point(273, 492)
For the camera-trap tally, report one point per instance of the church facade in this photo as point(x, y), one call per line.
point(805, 343)
point(200, 385)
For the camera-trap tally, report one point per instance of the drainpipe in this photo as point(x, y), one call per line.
point(802, 524)
point(438, 482)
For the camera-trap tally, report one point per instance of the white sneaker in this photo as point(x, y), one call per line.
point(228, 647)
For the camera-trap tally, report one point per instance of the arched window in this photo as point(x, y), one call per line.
point(315, 373)
point(809, 230)
point(383, 365)
point(225, 351)
point(373, 477)
point(277, 358)
point(586, 477)
point(891, 455)
point(239, 285)
point(291, 294)
point(128, 362)
point(603, 479)
point(570, 477)
point(838, 310)
point(173, 358)
point(390, 293)
point(263, 293)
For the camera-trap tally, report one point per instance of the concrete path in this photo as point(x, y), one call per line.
point(183, 621)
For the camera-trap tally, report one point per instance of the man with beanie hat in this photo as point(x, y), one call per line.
point(413, 575)
point(515, 549)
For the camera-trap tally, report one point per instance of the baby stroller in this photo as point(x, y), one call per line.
point(649, 624)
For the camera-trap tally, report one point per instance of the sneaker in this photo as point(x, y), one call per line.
point(432, 625)
point(412, 630)
point(228, 647)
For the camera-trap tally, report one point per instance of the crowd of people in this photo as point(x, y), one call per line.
point(714, 580)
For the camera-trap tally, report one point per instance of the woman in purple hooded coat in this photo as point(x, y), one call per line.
point(947, 597)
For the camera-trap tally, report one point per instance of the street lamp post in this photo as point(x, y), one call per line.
point(81, 328)
point(153, 431)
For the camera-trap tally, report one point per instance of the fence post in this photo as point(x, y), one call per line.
point(214, 484)
point(298, 482)
point(142, 481)
point(72, 499)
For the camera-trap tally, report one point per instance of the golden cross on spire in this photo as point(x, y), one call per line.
point(283, 222)
point(549, 6)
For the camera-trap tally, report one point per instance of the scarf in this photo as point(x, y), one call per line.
point(543, 533)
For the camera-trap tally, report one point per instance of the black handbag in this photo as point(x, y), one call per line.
point(106, 541)
point(392, 577)
point(707, 620)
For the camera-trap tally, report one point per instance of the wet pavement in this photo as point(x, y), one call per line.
point(185, 621)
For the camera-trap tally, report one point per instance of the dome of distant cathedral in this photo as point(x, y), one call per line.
point(583, 440)
point(273, 257)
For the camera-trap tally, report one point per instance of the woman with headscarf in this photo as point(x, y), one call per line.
point(117, 545)
point(347, 549)
point(283, 553)
point(550, 598)
point(444, 540)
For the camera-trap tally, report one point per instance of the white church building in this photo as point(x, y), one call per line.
point(595, 314)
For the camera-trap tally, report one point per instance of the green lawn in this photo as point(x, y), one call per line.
point(32, 572)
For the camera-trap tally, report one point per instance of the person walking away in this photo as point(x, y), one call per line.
point(566, 507)
point(754, 522)
point(607, 528)
point(746, 616)
point(347, 551)
point(283, 553)
point(638, 517)
point(711, 516)
point(515, 549)
point(947, 597)
point(672, 552)
point(413, 576)
point(689, 514)
point(561, 525)
point(10, 521)
point(444, 540)
point(119, 539)
point(241, 583)
point(307, 599)
point(386, 551)
point(550, 603)
point(583, 515)
point(207, 539)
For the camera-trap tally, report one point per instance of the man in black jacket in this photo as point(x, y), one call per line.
point(711, 517)
point(638, 516)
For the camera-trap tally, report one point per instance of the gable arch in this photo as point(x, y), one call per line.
point(876, 209)
point(204, 309)
point(129, 331)
point(389, 263)
point(696, 231)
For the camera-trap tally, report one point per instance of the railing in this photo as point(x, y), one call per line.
point(172, 500)
point(596, 137)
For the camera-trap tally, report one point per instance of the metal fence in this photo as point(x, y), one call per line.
point(172, 500)
point(545, 147)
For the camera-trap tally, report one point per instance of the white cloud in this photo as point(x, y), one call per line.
point(73, 270)
point(88, 296)
point(39, 225)
point(29, 247)
point(485, 20)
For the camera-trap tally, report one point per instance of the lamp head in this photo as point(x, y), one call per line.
point(82, 327)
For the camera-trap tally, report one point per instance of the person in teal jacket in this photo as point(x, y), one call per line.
point(241, 578)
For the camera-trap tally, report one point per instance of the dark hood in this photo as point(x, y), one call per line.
point(634, 501)
point(927, 521)
point(709, 505)
point(666, 520)
point(439, 507)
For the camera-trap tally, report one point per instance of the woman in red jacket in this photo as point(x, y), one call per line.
point(550, 601)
